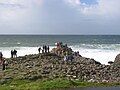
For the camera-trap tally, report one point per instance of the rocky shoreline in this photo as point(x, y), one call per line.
point(49, 66)
point(61, 62)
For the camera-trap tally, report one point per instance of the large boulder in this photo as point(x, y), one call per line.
point(117, 60)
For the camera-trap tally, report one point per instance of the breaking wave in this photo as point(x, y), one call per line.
point(100, 52)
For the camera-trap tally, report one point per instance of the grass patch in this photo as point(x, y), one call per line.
point(51, 84)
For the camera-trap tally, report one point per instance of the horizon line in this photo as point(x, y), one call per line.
point(61, 34)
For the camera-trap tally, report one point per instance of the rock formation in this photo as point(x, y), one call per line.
point(51, 65)
point(117, 60)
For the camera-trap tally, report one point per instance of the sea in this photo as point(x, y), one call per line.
point(102, 48)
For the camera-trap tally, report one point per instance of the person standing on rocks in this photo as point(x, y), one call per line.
point(48, 49)
point(45, 49)
point(12, 53)
point(65, 58)
point(2, 61)
point(39, 49)
point(3, 64)
point(42, 51)
point(65, 45)
point(15, 53)
point(66, 52)
point(71, 57)
point(1, 55)
point(1, 58)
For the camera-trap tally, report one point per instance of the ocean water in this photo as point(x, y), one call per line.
point(102, 48)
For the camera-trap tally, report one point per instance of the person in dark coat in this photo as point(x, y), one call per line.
point(48, 49)
point(12, 53)
point(45, 49)
point(15, 53)
point(3, 64)
point(39, 49)
point(1, 55)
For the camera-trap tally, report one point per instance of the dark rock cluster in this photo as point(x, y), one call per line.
point(50, 66)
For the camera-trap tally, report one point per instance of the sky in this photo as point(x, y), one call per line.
point(60, 17)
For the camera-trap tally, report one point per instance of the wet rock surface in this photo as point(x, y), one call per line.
point(117, 61)
point(50, 66)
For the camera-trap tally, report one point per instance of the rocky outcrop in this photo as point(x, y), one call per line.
point(50, 66)
point(117, 61)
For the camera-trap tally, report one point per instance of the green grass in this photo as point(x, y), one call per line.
point(51, 84)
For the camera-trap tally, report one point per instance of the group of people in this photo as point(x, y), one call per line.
point(70, 57)
point(60, 45)
point(65, 51)
point(3, 63)
point(44, 49)
point(76, 53)
point(13, 53)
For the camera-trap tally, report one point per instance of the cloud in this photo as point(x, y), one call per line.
point(17, 9)
point(59, 16)
point(11, 5)
point(19, 3)
point(38, 2)
point(101, 8)
point(73, 2)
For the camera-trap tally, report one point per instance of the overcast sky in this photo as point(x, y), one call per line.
point(59, 16)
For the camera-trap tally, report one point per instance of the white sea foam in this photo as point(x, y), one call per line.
point(102, 55)
point(21, 51)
